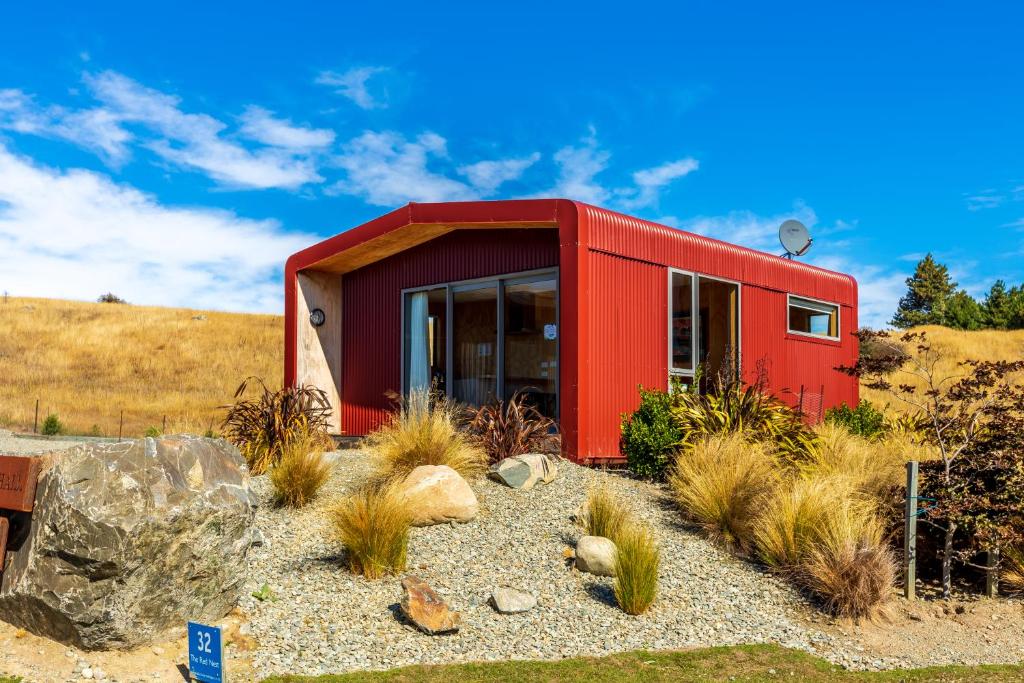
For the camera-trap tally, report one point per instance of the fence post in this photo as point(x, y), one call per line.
point(992, 573)
point(120, 426)
point(164, 429)
point(35, 424)
point(910, 534)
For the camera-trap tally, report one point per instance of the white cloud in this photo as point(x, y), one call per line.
point(651, 181)
point(96, 129)
point(353, 84)
point(77, 234)
point(386, 169)
point(577, 170)
point(261, 125)
point(488, 176)
point(986, 199)
point(879, 288)
point(194, 140)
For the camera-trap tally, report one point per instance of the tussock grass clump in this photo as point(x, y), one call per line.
point(373, 525)
point(605, 513)
point(1012, 575)
point(848, 566)
point(301, 472)
point(637, 561)
point(871, 466)
point(424, 430)
point(786, 528)
point(721, 485)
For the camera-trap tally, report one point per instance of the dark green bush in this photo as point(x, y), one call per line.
point(52, 426)
point(153, 431)
point(865, 420)
point(649, 435)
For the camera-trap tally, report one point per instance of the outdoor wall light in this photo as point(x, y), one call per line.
point(317, 317)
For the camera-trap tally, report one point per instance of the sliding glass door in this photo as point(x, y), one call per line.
point(483, 340)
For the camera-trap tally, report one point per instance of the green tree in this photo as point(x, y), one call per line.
point(964, 313)
point(998, 306)
point(928, 292)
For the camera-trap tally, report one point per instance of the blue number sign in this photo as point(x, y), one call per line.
point(205, 653)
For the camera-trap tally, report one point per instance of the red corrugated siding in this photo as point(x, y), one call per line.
point(627, 342)
point(628, 333)
point(371, 305)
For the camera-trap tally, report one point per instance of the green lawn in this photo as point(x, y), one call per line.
point(743, 663)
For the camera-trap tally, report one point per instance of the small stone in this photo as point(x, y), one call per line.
point(596, 555)
point(99, 674)
point(87, 673)
point(524, 471)
point(157, 650)
point(510, 601)
point(422, 606)
point(437, 494)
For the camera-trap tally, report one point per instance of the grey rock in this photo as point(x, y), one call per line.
point(596, 555)
point(128, 539)
point(510, 601)
point(524, 471)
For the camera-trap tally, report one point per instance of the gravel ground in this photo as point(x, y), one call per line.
point(326, 620)
point(20, 445)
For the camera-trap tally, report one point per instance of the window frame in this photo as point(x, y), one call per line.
point(695, 278)
point(821, 302)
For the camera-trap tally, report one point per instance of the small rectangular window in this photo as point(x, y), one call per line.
point(681, 322)
point(813, 318)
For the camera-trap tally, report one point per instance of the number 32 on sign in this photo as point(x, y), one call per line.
point(205, 653)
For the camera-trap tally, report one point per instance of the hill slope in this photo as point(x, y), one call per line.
point(87, 362)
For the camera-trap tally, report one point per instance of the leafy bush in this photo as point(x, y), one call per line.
point(605, 513)
point(513, 427)
point(152, 432)
point(110, 298)
point(649, 434)
point(848, 565)
point(300, 473)
point(721, 484)
point(637, 561)
point(735, 408)
point(865, 420)
point(52, 426)
point(373, 525)
point(263, 427)
point(423, 430)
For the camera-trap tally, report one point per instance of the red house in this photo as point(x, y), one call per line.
point(575, 304)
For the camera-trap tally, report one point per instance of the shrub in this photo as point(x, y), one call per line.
point(721, 484)
point(512, 427)
point(110, 298)
point(262, 427)
point(872, 467)
point(95, 431)
point(423, 430)
point(1012, 575)
point(300, 473)
point(848, 565)
point(373, 525)
point(784, 531)
point(735, 408)
point(152, 431)
point(865, 420)
point(650, 435)
point(637, 560)
point(52, 426)
point(605, 513)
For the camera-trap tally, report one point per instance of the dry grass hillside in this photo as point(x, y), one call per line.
point(86, 362)
point(956, 346)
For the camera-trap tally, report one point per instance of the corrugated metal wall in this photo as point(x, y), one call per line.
point(627, 338)
point(371, 305)
point(628, 332)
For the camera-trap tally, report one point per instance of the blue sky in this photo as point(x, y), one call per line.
point(176, 155)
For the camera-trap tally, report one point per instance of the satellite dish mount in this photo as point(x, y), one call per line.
point(795, 238)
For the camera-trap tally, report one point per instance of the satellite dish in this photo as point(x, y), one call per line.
point(795, 238)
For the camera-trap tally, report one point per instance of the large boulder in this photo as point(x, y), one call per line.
point(596, 555)
point(524, 471)
point(437, 494)
point(128, 539)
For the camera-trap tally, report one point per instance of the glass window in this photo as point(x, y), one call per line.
point(531, 343)
point(814, 318)
point(681, 322)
